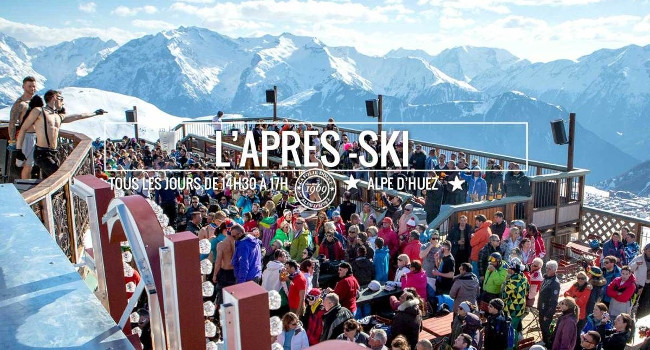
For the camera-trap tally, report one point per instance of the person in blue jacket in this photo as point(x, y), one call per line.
point(246, 202)
point(615, 247)
point(247, 260)
point(381, 260)
point(610, 271)
point(598, 318)
point(476, 185)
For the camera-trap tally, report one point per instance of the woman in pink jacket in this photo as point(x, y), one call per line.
point(416, 279)
point(621, 290)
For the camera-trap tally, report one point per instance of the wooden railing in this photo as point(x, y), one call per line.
point(600, 224)
point(64, 215)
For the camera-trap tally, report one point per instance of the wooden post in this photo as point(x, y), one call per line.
point(135, 126)
point(69, 211)
point(557, 205)
point(531, 203)
point(275, 103)
point(572, 133)
point(380, 112)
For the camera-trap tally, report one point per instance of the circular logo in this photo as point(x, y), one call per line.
point(315, 189)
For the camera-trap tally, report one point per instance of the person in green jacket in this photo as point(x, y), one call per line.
point(284, 234)
point(300, 241)
point(494, 278)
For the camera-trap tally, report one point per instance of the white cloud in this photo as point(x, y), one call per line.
point(295, 11)
point(493, 6)
point(124, 11)
point(152, 24)
point(33, 35)
point(550, 2)
point(200, 1)
point(643, 25)
point(89, 7)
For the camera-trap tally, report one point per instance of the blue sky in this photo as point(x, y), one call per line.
point(539, 30)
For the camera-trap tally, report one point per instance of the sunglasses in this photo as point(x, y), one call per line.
point(407, 209)
point(435, 238)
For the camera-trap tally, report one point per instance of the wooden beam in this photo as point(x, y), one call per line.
point(69, 211)
point(557, 204)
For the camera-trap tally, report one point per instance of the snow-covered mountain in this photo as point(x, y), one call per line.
point(608, 89)
point(205, 71)
point(68, 61)
point(467, 62)
point(635, 180)
point(186, 71)
point(14, 66)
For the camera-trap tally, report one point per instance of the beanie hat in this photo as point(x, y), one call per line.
point(497, 304)
point(411, 222)
point(516, 265)
point(595, 271)
point(315, 292)
point(387, 220)
point(464, 306)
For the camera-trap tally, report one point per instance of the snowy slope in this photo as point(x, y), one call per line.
point(83, 100)
point(14, 66)
point(635, 180)
point(402, 52)
point(66, 62)
point(185, 71)
point(467, 62)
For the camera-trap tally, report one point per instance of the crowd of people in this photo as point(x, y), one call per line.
point(265, 236)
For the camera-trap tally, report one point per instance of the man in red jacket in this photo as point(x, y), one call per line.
point(347, 288)
point(412, 248)
point(297, 288)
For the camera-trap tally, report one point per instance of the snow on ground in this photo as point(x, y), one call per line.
point(590, 190)
point(82, 100)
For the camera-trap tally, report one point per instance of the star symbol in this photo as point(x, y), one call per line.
point(457, 183)
point(351, 182)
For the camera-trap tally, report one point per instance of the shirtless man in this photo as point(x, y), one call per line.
point(16, 117)
point(224, 273)
point(46, 122)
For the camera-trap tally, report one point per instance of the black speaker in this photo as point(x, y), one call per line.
point(559, 134)
point(130, 116)
point(270, 96)
point(372, 108)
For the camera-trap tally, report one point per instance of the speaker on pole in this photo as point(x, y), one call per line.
point(130, 116)
point(559, 133)
point(270, 96)
point(372, 108)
